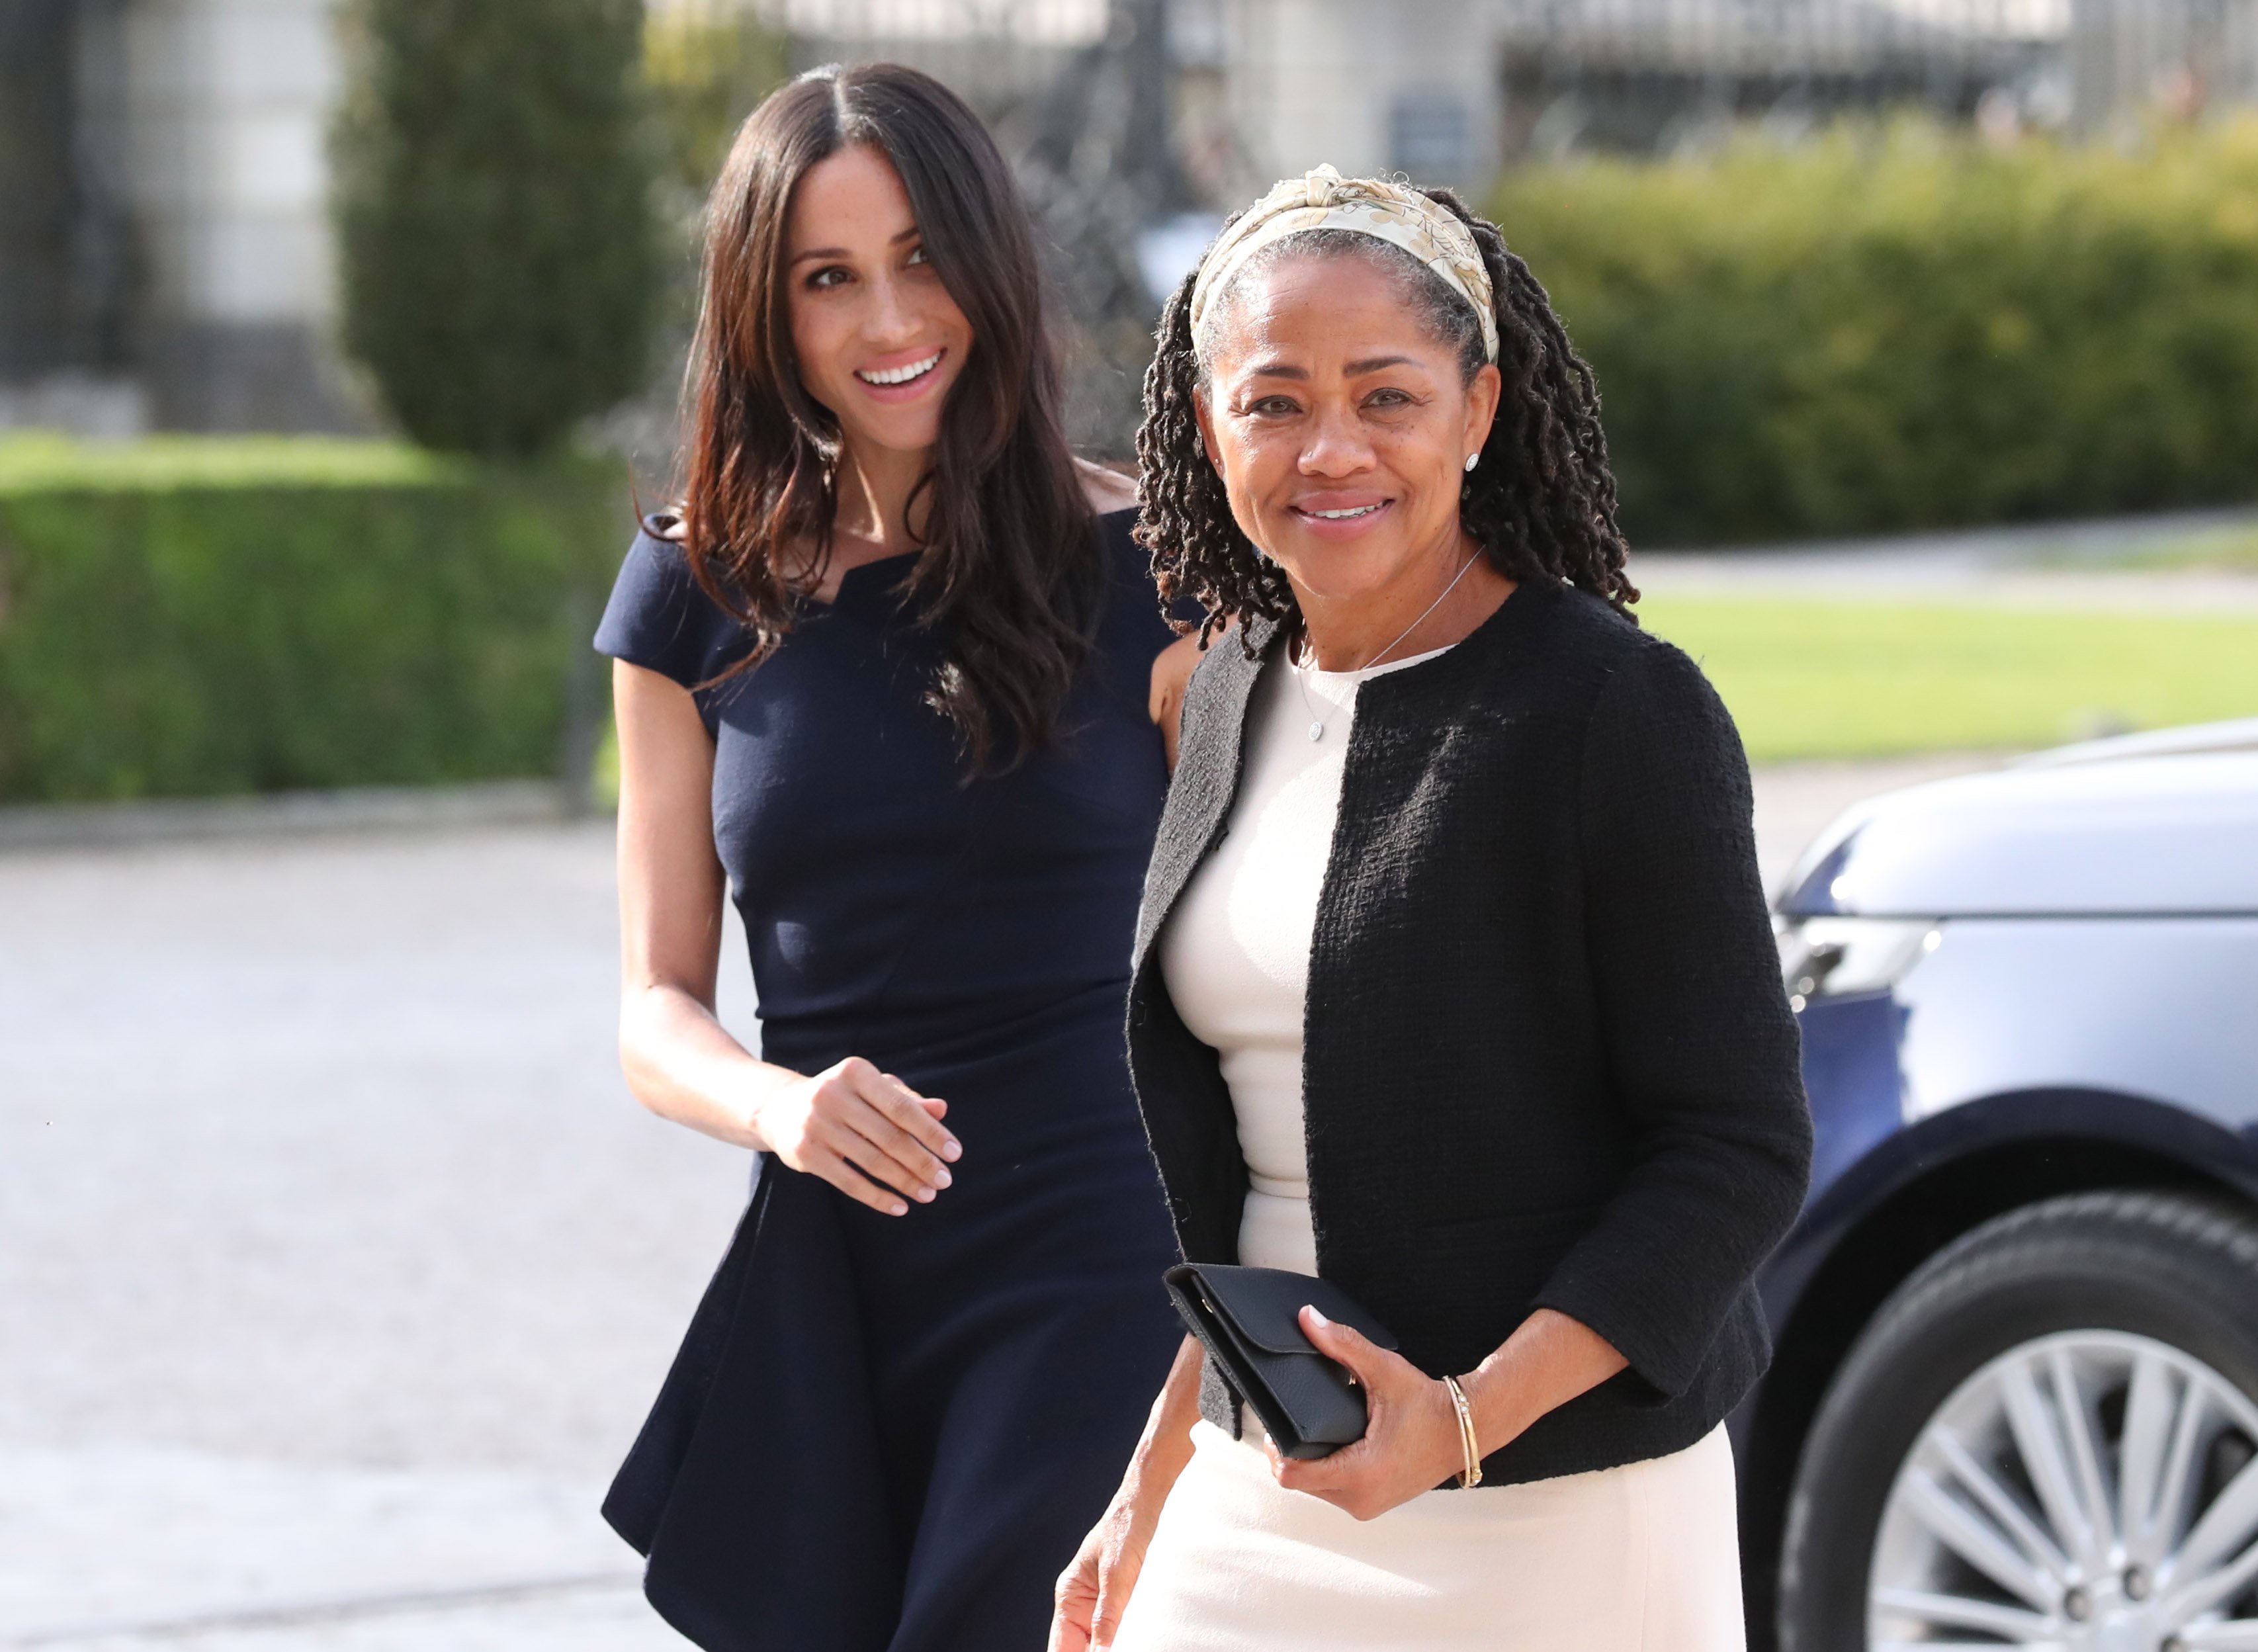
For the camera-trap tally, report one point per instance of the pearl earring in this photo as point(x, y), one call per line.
point(1473, 459)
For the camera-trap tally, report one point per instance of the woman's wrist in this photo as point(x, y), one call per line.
point(1166, 1446)
point(1548, 1361)
point(1497, 1402)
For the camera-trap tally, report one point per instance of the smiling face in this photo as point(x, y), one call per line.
point(1341, 425)
point(877, 338)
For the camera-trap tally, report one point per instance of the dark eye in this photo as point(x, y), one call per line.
point(1387, 401)
point(830, 275)
point(917, 257)
point(1271, 408)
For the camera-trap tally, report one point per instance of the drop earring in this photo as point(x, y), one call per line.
point(1473, 459)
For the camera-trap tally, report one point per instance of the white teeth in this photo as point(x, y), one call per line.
point(1342, 516)
point(900, 375)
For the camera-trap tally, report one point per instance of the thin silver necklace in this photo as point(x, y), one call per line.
point(1301, 672)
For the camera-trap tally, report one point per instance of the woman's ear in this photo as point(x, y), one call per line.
point(1482, 397)
point(1207, 427)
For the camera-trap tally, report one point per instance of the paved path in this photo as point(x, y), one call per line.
point(336, 1265)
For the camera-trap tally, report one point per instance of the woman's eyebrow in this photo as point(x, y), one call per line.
point(1353, 370)
point(910, 234)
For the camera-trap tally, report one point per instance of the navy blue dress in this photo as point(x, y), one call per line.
point(892, 1432)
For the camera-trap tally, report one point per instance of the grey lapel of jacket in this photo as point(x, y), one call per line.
point(1206, 781)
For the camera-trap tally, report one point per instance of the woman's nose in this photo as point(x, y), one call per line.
point(1335, 447)
point(890, 320)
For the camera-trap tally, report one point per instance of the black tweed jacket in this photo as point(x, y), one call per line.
point(1547, 1057)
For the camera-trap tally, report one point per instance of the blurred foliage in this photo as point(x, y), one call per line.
point(707, 68)
point(492, 177)
point(1840, 678)
point(36, 461)
point(182, 616)
point(1892, 327)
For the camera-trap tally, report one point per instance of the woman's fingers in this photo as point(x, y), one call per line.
point(855, 1182)
point(1114, 1582)
point(879, 1165)
point(875, 1122)
point(873, 1136)
point(892, 1117)
point(1369, 1363)
point(1074, 1605)
point(909, 1166)
point(906, 1110)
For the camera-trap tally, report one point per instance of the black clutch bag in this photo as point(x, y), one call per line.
point(1249, 1320)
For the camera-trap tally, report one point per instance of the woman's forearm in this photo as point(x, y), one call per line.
point(1546, 1363)
point(1166, 1443)
point(683, 1065)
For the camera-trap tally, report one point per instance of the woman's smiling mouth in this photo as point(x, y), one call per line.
point(1351, 515)
point(907, 374)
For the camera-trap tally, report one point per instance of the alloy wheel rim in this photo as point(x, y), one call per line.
point(2086, 1492)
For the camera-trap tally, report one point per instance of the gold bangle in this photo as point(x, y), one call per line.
point(1472, 1476)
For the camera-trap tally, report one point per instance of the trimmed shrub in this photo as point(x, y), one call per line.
point(494, 216)
point(183, 617)
point(706, 69)
point(1894, 328)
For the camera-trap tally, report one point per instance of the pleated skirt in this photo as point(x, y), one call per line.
point(1639, 1559)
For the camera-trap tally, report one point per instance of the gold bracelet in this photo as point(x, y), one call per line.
point(1472, 1476)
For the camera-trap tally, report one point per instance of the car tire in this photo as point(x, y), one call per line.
point(2174, 1269)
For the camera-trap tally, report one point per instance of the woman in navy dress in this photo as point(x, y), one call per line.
point(893, 679)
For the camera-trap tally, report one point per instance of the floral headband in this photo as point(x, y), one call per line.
point(1394, 213)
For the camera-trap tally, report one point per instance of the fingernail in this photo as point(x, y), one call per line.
point(898, 1208)
point(950, 1149)
point(941, 1179)
point(1314, 1314)
point(924, 1196)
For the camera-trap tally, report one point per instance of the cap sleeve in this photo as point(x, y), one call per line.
point(658, 618)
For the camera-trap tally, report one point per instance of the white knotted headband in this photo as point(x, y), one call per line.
point(1394, 213)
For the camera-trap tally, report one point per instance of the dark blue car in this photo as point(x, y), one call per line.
point(2015, 1399)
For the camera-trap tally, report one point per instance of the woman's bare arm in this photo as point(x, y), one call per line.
point(1172, 675)
point(862, 1131)
point(1171, 668)
point(1094, 1589)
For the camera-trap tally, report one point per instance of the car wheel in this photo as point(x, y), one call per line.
point(2047, 1437)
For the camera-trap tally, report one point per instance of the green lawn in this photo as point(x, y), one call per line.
point(1847, 678)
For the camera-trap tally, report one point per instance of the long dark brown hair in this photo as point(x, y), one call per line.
point(1541, 503)
point(1009, 576)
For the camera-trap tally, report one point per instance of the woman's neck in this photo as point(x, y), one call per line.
point(872, 521)
point(875, 485)
point(1419, 611)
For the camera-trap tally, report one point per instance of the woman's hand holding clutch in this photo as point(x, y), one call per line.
point(1411, 1441)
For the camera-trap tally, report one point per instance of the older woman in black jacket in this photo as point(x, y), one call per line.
point(1453, 981)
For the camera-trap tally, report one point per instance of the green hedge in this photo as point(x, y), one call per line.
point(1895, 328)
point(188, 617)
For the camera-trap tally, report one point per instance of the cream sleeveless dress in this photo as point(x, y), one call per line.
point(1640, 1558)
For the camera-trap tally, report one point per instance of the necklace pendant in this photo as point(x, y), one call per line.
point(1316, 731)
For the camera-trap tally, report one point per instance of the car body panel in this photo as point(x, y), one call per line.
point(2061, 953)
point(2165, 1008)
point(2038, 1118)
point(2171, 833)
